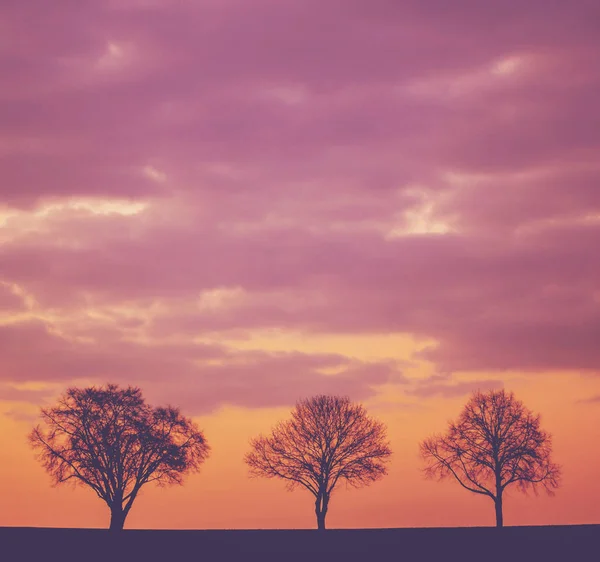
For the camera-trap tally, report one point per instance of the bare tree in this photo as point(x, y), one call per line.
point(495, 443)
point(327, 440)
point(110, 440)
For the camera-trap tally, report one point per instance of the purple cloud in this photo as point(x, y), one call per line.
point(198, 377)
point(427, 388)
point(319, 167)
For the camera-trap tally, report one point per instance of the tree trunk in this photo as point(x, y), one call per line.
point(321, 505)
point(117, 518)
point(499, 516)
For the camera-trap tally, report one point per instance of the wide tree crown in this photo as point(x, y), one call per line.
point(109, 439)
point(495, 442)
point(326, 439)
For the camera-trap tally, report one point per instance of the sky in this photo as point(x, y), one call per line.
point(234, 204)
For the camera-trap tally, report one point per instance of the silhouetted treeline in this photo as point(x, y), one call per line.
point(110, 440)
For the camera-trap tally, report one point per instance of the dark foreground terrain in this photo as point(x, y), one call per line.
point(565, 543)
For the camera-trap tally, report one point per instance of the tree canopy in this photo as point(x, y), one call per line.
point(111, 441)
point(495, 443)
point(328, 439)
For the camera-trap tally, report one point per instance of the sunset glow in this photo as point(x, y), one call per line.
point(238, 204)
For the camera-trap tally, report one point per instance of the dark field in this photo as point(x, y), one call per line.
point(566, 543)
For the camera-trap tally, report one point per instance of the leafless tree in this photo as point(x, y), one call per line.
point(495, 443)
point(327, 440)
point(110, 440)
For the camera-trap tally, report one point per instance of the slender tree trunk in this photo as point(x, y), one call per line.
point(499, 516)
point(117, 518)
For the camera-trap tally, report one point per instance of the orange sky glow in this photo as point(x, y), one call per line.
point(235, 205)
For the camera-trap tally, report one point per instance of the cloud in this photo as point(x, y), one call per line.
point(199, 377)
point(275, 380)
point(11, 393)
point(525, 301)
point(590, 400)
point(10, 299)
point(176, 171)
point(428, 388)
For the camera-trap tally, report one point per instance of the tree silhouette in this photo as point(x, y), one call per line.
point(495, 443)
point(328, 439)
point(110, 440)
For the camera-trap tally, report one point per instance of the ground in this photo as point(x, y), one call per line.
point(511, 544)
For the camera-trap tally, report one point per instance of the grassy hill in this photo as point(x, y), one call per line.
point(511, 544)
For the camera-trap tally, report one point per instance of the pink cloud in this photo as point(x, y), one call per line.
point(185, 373)
point(450, 390)
point(275, 147)
point(9, 301)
